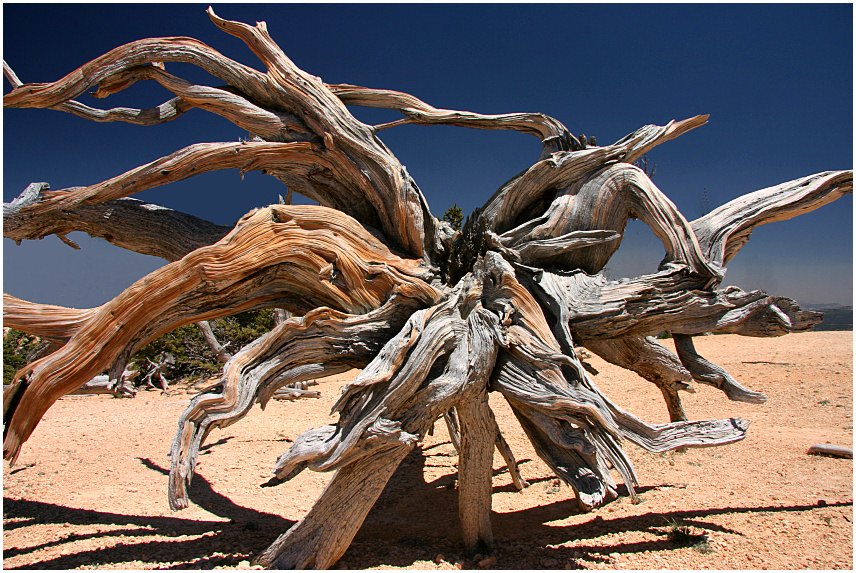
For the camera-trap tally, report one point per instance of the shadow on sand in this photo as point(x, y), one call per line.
point(413, 520)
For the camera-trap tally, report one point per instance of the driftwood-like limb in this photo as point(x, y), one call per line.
point(140, 52)
point(167, 111)
point(311, 253)
point(830, 450)
point(11, 75)
point(218, 349)
point(321, 343)
point(560, 170)
point(475, 471)
point(47, 321)
point(102, 384)
point(377, 190)
point(434, 318)
point(595, 308)
point(319, 539)
point(296, 391)
point(603, 200)
point(651, 361)
point(454, 428)
point(723, 231)
point(157, 370)
point(709, 373)
point(436, 360)
point(453, 425)
point(134, 225)
point(510, 461)
point(233, 107)
point(550, 131)
point(187, 162)
point(401, 209)
point(575, 429)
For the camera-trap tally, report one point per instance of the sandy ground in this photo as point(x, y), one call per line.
point(89, 489)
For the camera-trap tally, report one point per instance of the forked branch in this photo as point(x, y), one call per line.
point(297, 258)
point(435, 319)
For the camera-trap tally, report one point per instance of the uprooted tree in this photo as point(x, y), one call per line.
point(435, 318)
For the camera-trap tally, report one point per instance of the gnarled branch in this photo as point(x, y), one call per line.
point(279, 256)
point(723, 231)
point(550, 131)
point(435, 319)
point(141, 227)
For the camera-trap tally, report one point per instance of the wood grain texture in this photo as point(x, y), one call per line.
point(435, 318)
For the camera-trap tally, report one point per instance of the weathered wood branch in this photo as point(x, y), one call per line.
point(723, 231)
point(651, 361)
point(128, 223)
point(709, 373)
point(435, 319)
point(167, 111)
point(830, 450)
point(670, 300)
point(319, 539)
point(601, 203)
point(321, 343)
point(516, 200)
point(218, 349)
point(102, 384)
point(138, 53)
point(48, 321)
point(550, 131)
point(401, 208)
point(223, 102)
point(575, 429)
point(475, 471)
point(187, 162)
point(296, 391)
point(293, 257)
point(11, 75)
point(384, 195)
point(453, 426)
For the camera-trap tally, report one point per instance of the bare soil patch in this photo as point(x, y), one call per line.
point(88, 490)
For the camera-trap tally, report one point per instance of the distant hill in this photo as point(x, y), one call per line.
point(835, 316)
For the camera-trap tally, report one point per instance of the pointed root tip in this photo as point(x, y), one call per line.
point(178, 502)
point(214, 17)
point(11, 453)
point(746, 396)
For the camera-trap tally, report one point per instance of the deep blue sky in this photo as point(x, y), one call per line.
point(776, 80)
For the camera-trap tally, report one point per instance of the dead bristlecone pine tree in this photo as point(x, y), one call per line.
point(435, 319)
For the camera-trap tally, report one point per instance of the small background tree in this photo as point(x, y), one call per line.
point(454, 216)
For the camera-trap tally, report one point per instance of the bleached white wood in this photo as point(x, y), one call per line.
point(434, 318)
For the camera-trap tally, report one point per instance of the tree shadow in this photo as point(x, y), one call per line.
point(420, 518)
point(222, 543)
point(413, 520)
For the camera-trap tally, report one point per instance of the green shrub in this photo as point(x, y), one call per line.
point(194, 359)
point(454, 215)
point(16, 346)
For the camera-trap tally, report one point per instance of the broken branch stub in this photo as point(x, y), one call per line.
point(436, 319)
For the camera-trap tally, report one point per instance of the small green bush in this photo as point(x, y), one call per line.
point(683, 535)
point(16, 346)
point(454, 215)
point(193, 358)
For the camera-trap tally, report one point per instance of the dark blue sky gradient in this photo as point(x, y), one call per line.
point(776, 80)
